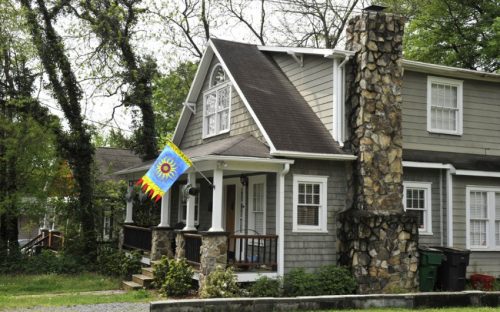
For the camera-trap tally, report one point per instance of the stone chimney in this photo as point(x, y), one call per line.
point(376, 238)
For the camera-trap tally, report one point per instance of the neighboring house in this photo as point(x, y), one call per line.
point(298, 136)
point(107, 161)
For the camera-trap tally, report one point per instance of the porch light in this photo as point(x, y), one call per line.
point(189, 190)
point(244, 180)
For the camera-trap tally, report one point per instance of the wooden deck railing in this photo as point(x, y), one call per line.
point(253, 251)
point(192, 248)
point(135, 237)
point(50, 240)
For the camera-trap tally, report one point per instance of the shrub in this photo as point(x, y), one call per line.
point(335, 280)
point(220, 284)
point(298, 282)
point(113, 262)
point(266, 287)
point(178, 279)
point(160, 271)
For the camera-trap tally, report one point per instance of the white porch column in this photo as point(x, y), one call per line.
point(280, 217)
point(130, 190)
point(191, 200)
point(217, 201)
point(165, 210)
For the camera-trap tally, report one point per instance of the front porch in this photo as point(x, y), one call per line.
point(234, 220)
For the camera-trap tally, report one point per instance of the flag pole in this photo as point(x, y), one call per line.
point(201, 173)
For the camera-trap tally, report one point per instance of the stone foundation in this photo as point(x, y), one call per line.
point(180, 245)
point(381, 249)
point(213, 253)
point(161, 244)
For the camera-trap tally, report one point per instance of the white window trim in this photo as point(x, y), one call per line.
point(212, 75)
point(427, 186)
point(179, 210)
point(251, 220)
point(490, 232)
point(323, 212)
point(452, 82)
point(214, 89)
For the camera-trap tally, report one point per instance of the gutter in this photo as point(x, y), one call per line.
point(323, 156)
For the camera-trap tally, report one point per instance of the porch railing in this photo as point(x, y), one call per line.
point(253, 251)
point(135, 237)
point(192, 248)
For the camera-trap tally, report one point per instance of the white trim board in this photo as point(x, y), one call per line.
point(304, 155)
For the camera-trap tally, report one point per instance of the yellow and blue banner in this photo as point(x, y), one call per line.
point(166, 169)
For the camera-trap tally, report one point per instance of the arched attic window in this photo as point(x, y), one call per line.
point(217, 104)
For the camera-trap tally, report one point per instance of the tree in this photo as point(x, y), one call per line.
point(169, 93)
point(461, 33)
point(113, 22)
point(27, 143)
point(75, 144)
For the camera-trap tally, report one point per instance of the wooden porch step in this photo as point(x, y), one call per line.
point(148, 272)
point(129, 285)
point(143, 280)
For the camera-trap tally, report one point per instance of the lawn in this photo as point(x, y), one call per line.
point(22, 291)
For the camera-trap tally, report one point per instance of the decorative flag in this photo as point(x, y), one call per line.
point(166, 169)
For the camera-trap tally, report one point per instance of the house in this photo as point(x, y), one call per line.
point(306, 157)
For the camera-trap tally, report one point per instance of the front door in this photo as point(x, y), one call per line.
point(230, 208)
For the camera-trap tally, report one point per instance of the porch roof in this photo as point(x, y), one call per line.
point(244, 145)
point(458, 160)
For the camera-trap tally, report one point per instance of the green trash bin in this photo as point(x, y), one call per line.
point(430, 260)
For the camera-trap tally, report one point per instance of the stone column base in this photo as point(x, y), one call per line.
point(381, 248)
point(180, 245)
point(161, 244)
point(213, 253)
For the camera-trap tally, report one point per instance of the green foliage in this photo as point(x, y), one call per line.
point(113, 262)
point(335, 280)
point(47, 262)
point(178, 279)
point(265, 287)
point(298, 282)
point(459, 33)
point(220, 284)
point(160, 271)
point(169, 93)
point(328, 280)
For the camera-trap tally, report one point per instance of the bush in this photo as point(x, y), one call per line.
point(220, 284)
point(335, 280)
point(298, 282)
point(178, 279)
point(113, 262)
point(266, 287)
point(160, 271)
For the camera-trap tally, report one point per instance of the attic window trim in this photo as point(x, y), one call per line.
point(213, 72)
point(215, 90)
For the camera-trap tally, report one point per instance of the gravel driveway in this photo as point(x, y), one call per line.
point(102, 307)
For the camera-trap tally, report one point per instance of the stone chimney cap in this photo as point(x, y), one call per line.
point(375, 8)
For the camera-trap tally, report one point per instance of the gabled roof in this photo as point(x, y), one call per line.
point(109, 160)
point(284, 118)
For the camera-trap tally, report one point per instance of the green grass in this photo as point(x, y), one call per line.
point(15, 285)
point(23, 291)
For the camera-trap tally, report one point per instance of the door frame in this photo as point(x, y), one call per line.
point(237, 205)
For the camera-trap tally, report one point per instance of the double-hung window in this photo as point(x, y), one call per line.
point(444, 105)
point(483, 218)
point(309, 203)
point(217, 104)
point(183, 206)
point(417, 197)
point(257, 204)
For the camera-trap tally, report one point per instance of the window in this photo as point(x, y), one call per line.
point(257, 204)
point(444, 105)
point(309, 203)
point(183, 206)
point(417, 197)
point(483, 218)
point(217, 104)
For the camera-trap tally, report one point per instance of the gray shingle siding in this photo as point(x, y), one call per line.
point(481, 129)
point(312, 250)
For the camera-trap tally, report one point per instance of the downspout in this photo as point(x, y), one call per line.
point(441, 243)
point(338, 99)
point(280, 219)
point(449, 203)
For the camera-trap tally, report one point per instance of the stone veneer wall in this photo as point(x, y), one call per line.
point(213, 253)
point(375, 99)
point(161, 244)
point(377, 239)
point(381, 249)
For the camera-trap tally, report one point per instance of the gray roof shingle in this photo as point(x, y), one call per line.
point(288, 120)
point(458, 160)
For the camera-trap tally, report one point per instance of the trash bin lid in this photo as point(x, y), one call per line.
point(429, 249)
point(452, 250)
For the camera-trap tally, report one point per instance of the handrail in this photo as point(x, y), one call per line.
point(253, 236)
point(192, 235)
point(135, 227)
point(32, 242)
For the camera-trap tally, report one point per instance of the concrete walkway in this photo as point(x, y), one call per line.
point(103, 307)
